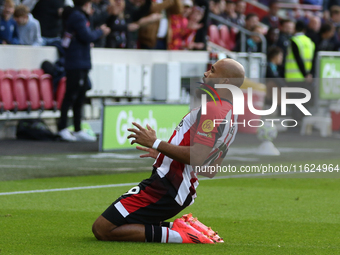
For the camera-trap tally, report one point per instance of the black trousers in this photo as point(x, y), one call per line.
point(76, 87)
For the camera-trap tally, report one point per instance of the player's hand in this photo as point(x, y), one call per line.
point(152, 153)
point(143, 136)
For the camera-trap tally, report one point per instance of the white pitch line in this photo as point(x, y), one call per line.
point(68, 189)
point(20, 166)
point(131, 184)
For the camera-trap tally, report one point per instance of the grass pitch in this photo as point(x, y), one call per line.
point(253, 215)
point(273, 215)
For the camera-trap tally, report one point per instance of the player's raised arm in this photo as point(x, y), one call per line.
point(190, 155)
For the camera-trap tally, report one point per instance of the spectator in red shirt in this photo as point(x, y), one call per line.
point(184, 27)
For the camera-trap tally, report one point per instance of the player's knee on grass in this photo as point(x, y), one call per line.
point(102, 229)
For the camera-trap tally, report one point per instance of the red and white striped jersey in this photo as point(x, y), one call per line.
point(198, 128)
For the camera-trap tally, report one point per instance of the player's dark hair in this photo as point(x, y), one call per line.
point(80, 2)
point(250, 15)
point(273, 52)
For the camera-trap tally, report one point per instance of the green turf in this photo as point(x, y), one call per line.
point(253, 215)
point(288, 214)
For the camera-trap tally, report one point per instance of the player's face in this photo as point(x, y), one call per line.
point(211, 77)
point(213, 74)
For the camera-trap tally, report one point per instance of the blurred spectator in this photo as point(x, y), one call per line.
point(240, 9)
point(274, 60)
point(325, 40)
point(229, 11)
point(313, 27)
point(8, 26)
point(272, 37)
point(335, 19)
point(28, 27)
point(201, 34)
point(184, 27)
point(124, 25)
point(299, 60)
point(215, 7)
point(99, 16)
point(274, 79)
point(287, 29)
point(16, 2)
point(118, 38)
point(31, 3)
point(253, 42)
point(251, 21)
point(327, 5)
point(138, 11)
point(155, 35)
point(272, 20)
point(77, 39)
point(48, 13)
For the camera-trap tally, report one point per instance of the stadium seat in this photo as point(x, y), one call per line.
point(38, 72)
point(233, 35)
point(1, 73)
point(6, 94)
point(61, 92)
point(46, 92)
point(24, 72)
point(32, 89)
point(214, 36)
point(11, 72)
point(19, 91)
point(225, 36)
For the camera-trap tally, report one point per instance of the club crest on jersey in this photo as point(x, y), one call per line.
point(207, 126)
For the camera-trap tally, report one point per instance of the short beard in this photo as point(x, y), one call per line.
point(199, 92)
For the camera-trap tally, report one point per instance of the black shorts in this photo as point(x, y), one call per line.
point(151, 202)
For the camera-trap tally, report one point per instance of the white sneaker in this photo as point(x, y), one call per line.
point(66, 135)
point(83, 136)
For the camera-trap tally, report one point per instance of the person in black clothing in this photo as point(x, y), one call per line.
point(120, 26)
point(272, 20)
point(99, 16)
point(49, 13)
point(77, 39)
point(287, 29)
point(313, 27)
point(135, 10)
point(273, 78)
point(118, 38)
point(240, 10)
point(216, 7)
point(201, 34)
point(272, 37)
point(325, 40)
